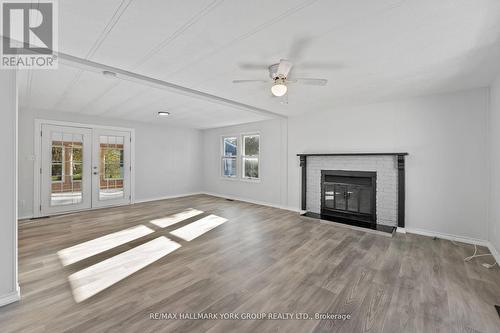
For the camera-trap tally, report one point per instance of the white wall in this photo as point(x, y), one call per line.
point(446, 171)
point(445, 135)
point(271, 189)
point(494, 156)
point(166, 158)
point(8, 191)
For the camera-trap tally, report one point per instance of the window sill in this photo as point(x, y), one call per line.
point(229, 178)
point(246, 180)
point(250, 180)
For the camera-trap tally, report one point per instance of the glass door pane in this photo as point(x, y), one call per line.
point(65, 151)
point(111, 167)
point(329, 196)
point(365, 200)
point(66, 186)
point(352, 198)
point(340, 200)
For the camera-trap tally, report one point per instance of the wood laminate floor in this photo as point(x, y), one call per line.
point(261, 260)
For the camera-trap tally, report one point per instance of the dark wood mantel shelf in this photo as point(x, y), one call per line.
point(353, 154)
point(401, 176)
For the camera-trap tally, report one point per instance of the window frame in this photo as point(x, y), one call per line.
point(223, 156)
point(242, 157)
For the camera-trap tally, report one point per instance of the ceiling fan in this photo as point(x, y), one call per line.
point(280, 79)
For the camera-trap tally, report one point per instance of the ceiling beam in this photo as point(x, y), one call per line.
point(143, 79)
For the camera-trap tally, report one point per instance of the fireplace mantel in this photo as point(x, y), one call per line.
point(352, 154)
point(401, 176)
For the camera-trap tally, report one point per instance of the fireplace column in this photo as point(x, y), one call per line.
point(303, 165)
point(401, 191)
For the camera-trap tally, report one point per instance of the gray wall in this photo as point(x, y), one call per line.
point(272, 186)
point(8, 194)
point(494, 200)
point(166, 158)
point(446, 137)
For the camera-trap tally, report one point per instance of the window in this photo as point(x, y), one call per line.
point(229, 156)
point(250, 156)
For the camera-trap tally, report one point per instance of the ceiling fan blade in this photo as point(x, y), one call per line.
point(250, 81)
point(309, 81)
point(319, 65)
point(284, 67)
point(256, 66)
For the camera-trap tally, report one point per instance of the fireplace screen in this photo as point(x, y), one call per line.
point(353, 198)
point(349, 194)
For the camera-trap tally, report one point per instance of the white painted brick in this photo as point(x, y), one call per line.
point(387, 181)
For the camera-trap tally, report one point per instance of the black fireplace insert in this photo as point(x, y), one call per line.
point(349, 196)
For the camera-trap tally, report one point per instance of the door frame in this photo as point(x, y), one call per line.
point(37, 160)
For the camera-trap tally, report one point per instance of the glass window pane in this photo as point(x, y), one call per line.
point(66, 168)
point(77, 171)
point(251, 145)
point(56, 154)
point(229, 167)
point(56, 172)
point(77, 139)
point(251, 167)
point(56, 136)
point(111, 167)
point(67, 151)
point(68, 137)
point(230, 146)
point(77, 154)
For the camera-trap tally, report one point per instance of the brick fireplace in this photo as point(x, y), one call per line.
point(338, 187)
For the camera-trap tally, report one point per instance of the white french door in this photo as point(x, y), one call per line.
point(83, 168)
point(110, 168)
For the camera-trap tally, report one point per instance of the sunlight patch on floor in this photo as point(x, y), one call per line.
point(94, 279)
point(88, 249)
point(176, 218)
point(199, 227)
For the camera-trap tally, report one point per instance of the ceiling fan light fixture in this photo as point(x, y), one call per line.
point(279, 88)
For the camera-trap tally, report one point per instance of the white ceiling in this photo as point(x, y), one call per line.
point(368, 50)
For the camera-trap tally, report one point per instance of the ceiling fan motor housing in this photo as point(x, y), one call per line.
point(273, 71)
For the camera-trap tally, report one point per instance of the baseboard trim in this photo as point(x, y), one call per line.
point(455, 238)
point(167, 197)
point(494, 252)
point(255, 202)
point(11, 297)
point(24, 218)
